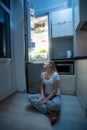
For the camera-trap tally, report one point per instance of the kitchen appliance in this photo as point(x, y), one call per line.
point(65, 68)
point(69, 54)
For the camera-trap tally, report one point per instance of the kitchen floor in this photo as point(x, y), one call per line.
point(16, 113)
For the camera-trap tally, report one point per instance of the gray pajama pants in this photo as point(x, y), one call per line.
point(53, 104)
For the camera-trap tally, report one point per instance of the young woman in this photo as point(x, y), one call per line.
point(49, 100)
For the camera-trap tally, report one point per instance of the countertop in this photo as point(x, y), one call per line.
point(64, 59)
point(71, 59)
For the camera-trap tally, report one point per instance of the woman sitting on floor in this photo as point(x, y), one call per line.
point(49, 100)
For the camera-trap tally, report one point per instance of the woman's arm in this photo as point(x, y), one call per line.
point(54, 91)
point(42, 88)
point(42, 92)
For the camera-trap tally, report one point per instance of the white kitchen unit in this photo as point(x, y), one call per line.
point(6, 83)
point(81, 69)
point(67, 84)
point(62, 24)
point(80, 28)
point(80, 14)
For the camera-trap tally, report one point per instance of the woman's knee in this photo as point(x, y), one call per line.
point(33, 97)
point(53, 106)
point(30, 97)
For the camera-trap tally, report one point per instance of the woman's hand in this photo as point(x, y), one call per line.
point(45, 100)
point(40, 100)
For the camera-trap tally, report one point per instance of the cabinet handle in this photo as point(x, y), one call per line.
point(64, 78)
point(62, 22)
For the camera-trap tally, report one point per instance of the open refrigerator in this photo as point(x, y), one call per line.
point(39, 38)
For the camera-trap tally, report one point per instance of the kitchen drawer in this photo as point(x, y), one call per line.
point(68, 84)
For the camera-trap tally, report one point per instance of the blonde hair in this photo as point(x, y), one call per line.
point(52, 67)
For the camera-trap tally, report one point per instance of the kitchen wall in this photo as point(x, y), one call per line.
point(50, 6)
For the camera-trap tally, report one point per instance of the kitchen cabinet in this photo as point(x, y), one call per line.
point(80, 13)
point(62, 24)
point(67, 84)
point(80, 37)
point(6, 79)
